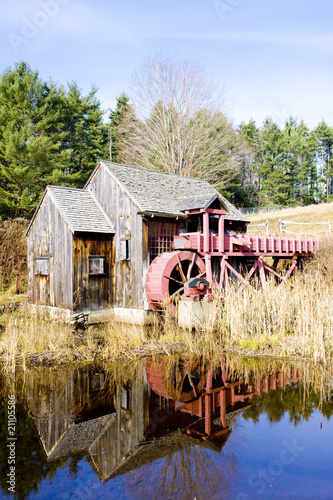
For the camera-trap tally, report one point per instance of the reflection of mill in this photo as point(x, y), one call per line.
point(210, 396)
point(80, 414)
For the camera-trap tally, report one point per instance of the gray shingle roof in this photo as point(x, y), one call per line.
point(157, 192)
point(196, 202)
point(80, 210)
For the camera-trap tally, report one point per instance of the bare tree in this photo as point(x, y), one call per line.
point(181, 127)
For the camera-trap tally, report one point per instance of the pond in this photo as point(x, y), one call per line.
point(168, 427)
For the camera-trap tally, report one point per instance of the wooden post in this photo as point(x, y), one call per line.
point(221, 233)
point(267, 232)
point(208, 263)
point(208, 403)
point(17, 284)
point(222, 268)
point(205, 217)
point(223, 408)
point(262, 273)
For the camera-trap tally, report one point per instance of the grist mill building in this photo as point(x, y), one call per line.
point(90, 249)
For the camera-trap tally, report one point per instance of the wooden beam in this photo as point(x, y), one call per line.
point(262, 273)
point(222, 268)
point(239, 276)
point(223, 408)
point(248, 276)
point(221, 233)
point(205, 217)
point(216, 211)
point(208, 262)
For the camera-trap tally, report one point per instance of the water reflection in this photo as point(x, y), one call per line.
point(125, 417)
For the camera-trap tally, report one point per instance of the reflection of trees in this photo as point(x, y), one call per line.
point(169, 464)
point(292, 399)
point(192, 472)
point(31, 463)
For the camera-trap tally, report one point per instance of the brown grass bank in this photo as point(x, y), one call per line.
point(310, 215)
point(293, 320)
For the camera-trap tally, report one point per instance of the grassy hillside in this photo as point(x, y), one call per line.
point(310, 214)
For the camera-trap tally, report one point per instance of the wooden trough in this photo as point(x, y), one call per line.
point(219, 257)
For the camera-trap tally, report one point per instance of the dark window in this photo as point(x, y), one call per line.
point(96, 265)
point(160, 237)
point(126, 398)
point(125, 253)
point(42, 267)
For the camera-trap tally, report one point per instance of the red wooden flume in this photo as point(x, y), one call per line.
point(218, 256)
point(206, 393)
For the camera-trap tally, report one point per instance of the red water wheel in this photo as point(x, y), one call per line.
point(168, 273)
point(188, 385)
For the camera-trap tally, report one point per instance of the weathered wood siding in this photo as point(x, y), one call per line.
point(50, 237)
point(123, 213)
point(127, 430)
point(92, 292)
point(55, 400)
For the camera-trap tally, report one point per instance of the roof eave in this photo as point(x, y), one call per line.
point(76, 231)
point(152, 214)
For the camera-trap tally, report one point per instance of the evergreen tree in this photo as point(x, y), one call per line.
point(86, 136)
point(120, 120)
point(28, 149)
point(298, 163)
point(273, 182)
point(323, 141)
point(47, 136)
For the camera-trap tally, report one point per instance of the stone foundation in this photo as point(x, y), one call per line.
point(194, 314)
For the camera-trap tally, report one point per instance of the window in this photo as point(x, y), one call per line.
point(42, 267)
point(126, 398)
point(124, 253)
point(96, 265)
point(160, 237)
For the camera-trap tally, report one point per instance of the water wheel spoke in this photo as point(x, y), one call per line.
point(173, 279)
point(180, 290)
point(192, 385)
point(190, 267)
point(181, 269)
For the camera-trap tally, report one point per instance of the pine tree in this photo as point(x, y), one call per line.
point(48, 135)
point(120, 122)
point(28, 150)
point(86, 136)
point(273, 183)
point(323, 140)
point(298, 163)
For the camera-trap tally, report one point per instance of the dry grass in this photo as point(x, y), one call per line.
point(295, 319)
point(312, 213)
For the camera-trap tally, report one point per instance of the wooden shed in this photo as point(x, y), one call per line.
point(91, 248)
point(69, 251)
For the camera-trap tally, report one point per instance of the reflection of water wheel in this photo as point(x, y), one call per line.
point(168, 273)
point(190, 385)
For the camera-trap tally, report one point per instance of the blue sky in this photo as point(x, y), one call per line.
point(274, 57)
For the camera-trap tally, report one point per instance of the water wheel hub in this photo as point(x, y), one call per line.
point(168, 274)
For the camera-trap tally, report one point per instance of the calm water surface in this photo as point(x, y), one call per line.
point(170, 428)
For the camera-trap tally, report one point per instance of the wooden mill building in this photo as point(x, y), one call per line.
point(91, 248)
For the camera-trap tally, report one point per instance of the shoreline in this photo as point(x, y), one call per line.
point(78, 355)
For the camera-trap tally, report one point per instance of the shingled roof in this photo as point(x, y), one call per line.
point(79, 209)
point(169, 194)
